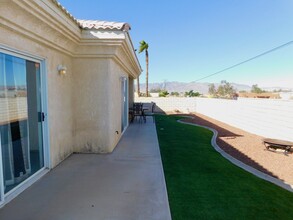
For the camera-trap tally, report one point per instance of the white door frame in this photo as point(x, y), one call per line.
point(124, 109)
point(5, 198)
point(1, 177)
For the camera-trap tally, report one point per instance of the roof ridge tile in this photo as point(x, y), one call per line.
point(94, 24)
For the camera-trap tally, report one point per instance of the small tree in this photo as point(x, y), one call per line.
point(256, 89)
point(212, 90)
point(226, 90)
point(221, 91)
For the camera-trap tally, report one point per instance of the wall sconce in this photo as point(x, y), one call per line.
point(61, 69)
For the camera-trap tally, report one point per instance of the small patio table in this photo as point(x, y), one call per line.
point(136, 111)
point(277, 144)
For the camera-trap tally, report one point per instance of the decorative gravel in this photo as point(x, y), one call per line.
point(249, 149)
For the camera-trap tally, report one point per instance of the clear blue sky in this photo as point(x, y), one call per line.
point(189, 39)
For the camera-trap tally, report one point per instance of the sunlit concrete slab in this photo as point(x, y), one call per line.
point(125, 185)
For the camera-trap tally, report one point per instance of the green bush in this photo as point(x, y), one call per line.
point(163, 93)
point(192, 94)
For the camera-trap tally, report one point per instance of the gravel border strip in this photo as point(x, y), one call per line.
point(238, 163)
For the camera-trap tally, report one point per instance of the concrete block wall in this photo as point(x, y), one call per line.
point(170, 104)
point(265, 117)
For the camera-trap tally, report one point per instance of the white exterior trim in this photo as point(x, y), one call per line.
point(45, 109)
point(1, 177)
point(20, 54)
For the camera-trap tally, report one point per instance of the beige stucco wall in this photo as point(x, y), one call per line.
point(97, 108)
point(115, 95)
point(91, 108)
point(84, 106)
point(98, 69)
point(60, 112)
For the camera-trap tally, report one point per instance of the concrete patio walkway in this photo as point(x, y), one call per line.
point(125, 185)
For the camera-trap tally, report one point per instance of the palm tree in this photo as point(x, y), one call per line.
point(144, 47)
point(138, 89)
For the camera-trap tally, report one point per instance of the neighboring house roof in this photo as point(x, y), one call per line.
point(94, 24)
point(104, 25)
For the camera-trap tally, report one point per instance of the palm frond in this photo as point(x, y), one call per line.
point(143, 46)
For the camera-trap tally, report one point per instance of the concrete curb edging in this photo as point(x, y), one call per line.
point(163, 176)
point(238, 163)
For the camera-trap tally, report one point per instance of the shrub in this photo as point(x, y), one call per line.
point(163, 93)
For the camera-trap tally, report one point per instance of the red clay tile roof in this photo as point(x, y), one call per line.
point(65, 11)
point(104, 25)
point(94, 24)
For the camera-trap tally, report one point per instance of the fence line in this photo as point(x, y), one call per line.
point(264, 117)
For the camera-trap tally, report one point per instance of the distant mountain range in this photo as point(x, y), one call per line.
point(198, 87)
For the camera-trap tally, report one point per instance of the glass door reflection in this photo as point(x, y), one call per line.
point(20, 121)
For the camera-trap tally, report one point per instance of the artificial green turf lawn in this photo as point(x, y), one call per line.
point(202, 184)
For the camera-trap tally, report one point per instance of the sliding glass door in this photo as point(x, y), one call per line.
point(124, 101)
point(21, 118)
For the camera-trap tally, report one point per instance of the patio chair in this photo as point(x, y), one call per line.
point(138, 111)
point(278, 144)
point(150, 112)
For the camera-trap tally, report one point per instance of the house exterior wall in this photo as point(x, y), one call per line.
point(91, 105)
point(16, 36)
point(116, 103)
point(98, 68)
point(82, 114)
point(97, 120)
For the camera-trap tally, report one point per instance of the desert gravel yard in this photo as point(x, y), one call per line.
point(249, 149)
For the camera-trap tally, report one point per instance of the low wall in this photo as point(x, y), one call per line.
point(171, 104)
point(264, 117)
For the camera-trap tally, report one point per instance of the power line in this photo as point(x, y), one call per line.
point(250, 59)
